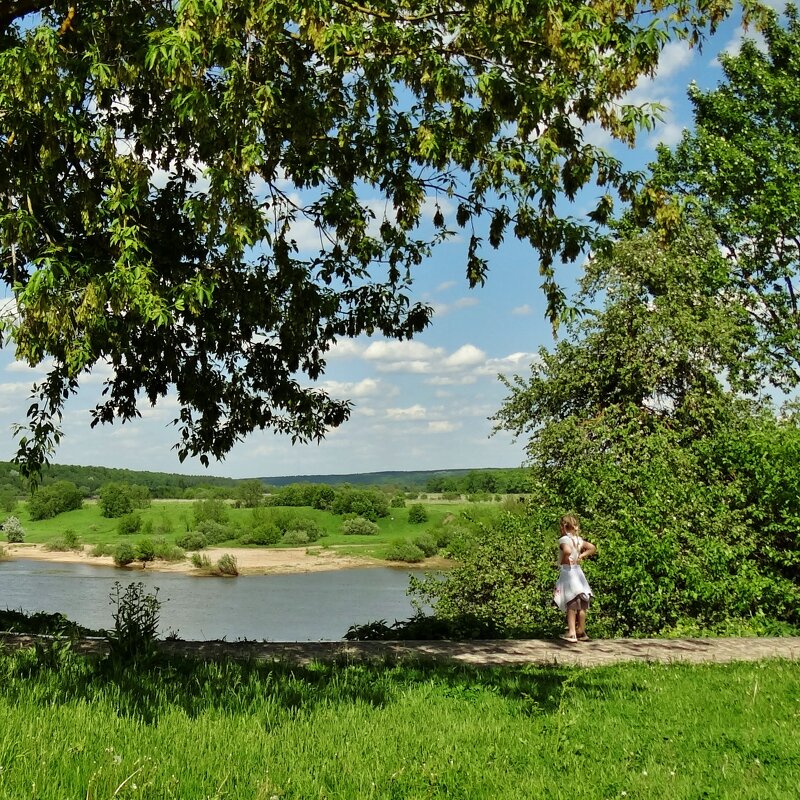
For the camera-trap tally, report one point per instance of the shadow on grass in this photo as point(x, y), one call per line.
point(148, 689)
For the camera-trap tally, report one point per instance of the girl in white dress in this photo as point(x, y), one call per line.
point(573, 593)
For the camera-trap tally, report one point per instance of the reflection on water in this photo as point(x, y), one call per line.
point(310, 606)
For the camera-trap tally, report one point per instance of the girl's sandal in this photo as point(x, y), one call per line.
point(570, 639)
point(584, 638)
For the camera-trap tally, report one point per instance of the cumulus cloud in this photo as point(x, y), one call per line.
point(415, 412)
point(368, 387)
point(443, 426)
point(515, 362)
point(441, 309)
point(466, 356)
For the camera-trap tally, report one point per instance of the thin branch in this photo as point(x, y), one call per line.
point(16, 9)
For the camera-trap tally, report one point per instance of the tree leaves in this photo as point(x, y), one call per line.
point(158, 159)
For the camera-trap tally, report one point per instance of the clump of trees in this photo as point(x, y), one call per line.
point(53, 499)
point(121, 499)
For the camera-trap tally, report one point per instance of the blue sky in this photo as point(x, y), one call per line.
point(422, 404)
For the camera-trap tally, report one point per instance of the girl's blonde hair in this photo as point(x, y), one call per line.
point(569, 522)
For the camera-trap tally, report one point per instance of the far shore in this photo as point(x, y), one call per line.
point(250, 561)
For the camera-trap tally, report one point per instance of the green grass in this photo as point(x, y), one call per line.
point(70, 728)
point(171, 519)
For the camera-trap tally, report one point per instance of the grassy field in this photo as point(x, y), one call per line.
point(171, 519)
point(72, 729)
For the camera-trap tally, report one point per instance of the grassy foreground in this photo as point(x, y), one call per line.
point(72, 728)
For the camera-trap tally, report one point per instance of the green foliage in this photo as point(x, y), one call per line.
point(8, 498)
point(200, 561)
point(738, 167)
point(56, 498)
point(136, 616)
point(12, 528)
point(359, 526)
point(210, 510)
point(264, 534)
point(251, 493)
point(299, 107)
point(226, 565)
point(68, 541)
point(370, 504)
point(426, 543)
point(120, 499)
point(192, 541)
point(129, 524)
point(124, 554)
point(145, 551)
point(405, 551)
point(294, 538)
point(417, 514)
point(398, 501)
point(689, 491)
point(504, 585)
point(215, 532)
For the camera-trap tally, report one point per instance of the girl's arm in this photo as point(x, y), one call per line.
point(587, 550)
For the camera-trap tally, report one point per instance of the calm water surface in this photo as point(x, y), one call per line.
point(315, 606)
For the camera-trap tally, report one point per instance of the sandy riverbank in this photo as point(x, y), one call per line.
point(249, 560)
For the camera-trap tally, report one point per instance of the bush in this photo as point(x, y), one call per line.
point(124, 554)
point(100, 550)
point(398, 501)
point(168, 552)
point(129, 524)
point(15, 533)
point(295, 538)
point(226, 565)
point(405, 551)
point(365, 503)
point(118, 499)
point(192, 541)
point(68, 541)
point(214, 532)
point(53, 499)
point(359, 527)
point(265, 534)
point(417, 514)
point(200, 561)
point(426, 543)
point(213, 510)
point(145, 551)
point(135, 623)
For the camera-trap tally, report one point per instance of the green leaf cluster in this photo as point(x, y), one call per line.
point(158, 159)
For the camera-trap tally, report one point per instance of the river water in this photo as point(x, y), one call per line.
point(314, 606)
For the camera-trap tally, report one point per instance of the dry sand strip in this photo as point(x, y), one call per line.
point(485, 653)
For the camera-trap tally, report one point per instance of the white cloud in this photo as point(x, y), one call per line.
point(368, 387)
point(345, 348)
point(407, 350)
point(451, 380)
point(443, 426)
point(515, 362)
point(522, 311)
point(674, 57)
point(466, 356)
point(440, 309)
point(415, 412)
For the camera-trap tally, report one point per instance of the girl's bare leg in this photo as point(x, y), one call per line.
point(571, 614)
point(581, 623)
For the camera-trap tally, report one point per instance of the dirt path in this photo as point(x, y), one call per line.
point(478, 653)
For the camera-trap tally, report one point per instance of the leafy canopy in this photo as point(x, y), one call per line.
point(740, 168)
point(157, 159)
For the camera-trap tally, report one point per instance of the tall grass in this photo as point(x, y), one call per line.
point(72, 728)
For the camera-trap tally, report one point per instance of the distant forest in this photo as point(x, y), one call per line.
point(171, 485)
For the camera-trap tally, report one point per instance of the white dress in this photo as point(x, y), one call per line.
point(571, 581)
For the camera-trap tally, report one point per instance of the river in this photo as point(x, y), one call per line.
point(313, 606)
